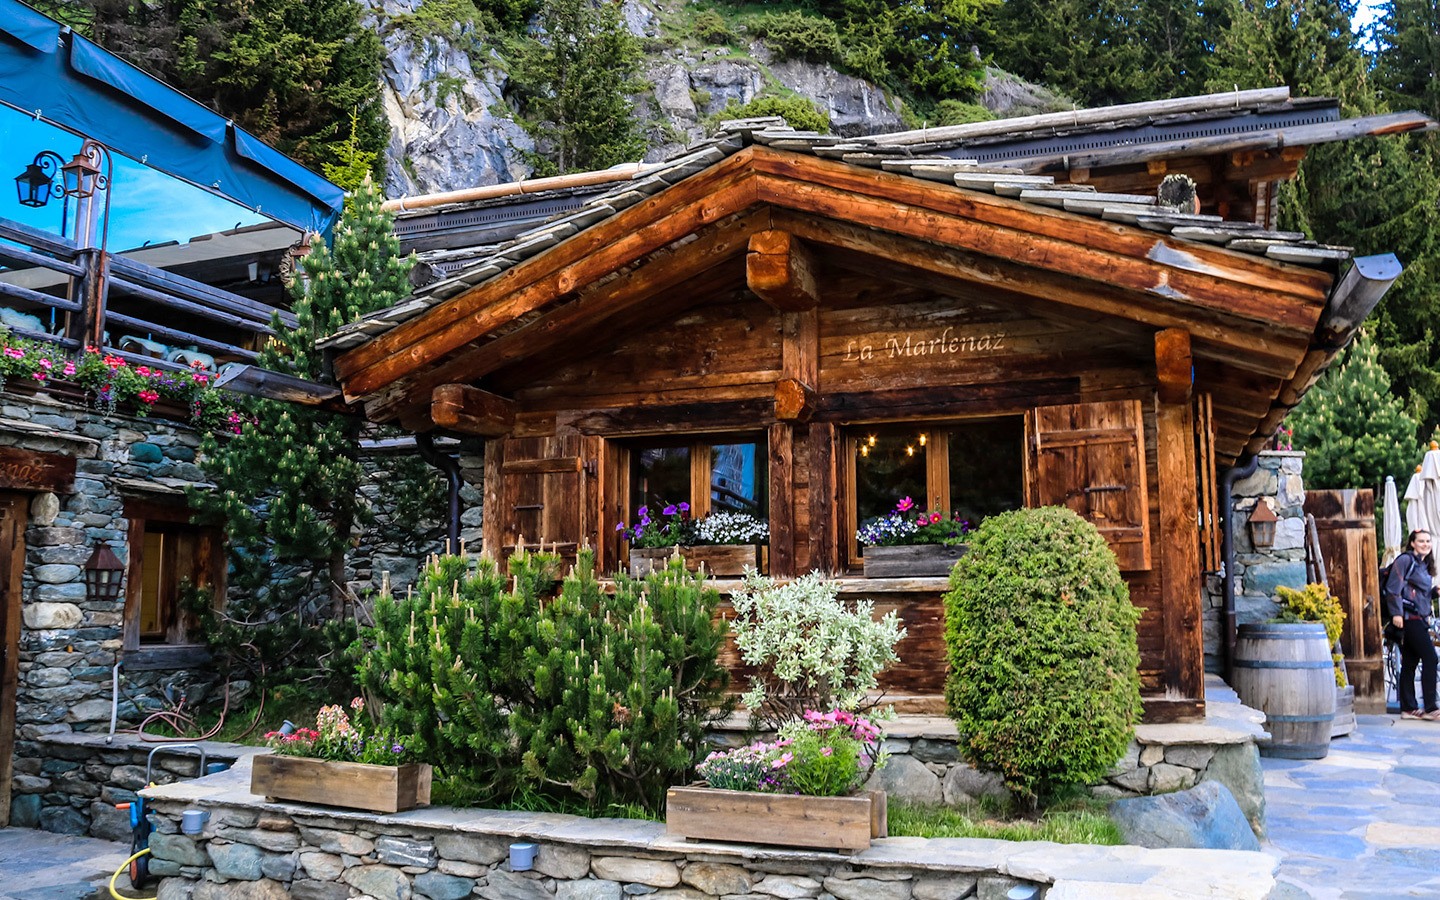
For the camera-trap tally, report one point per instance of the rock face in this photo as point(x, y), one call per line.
point(1203, 817)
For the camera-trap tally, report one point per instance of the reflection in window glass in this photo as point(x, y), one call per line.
point(737, 475)
point(986, 468)
point(659, 476)
point(889, 464)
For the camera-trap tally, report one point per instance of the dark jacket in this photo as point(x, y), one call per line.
point(1409, 581)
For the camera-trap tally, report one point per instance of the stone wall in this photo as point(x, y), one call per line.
point(70, 783)
point(253, 850)
point(1258, 571)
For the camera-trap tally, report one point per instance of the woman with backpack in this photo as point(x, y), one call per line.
point(1408, 592)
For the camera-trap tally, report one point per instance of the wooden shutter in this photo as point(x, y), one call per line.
point(542, 495)
point(1090, 457)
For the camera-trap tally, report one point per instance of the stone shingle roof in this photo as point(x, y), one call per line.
point(916, 158)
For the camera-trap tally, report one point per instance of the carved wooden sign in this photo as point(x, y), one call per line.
point(29, 470)
point(932, 342)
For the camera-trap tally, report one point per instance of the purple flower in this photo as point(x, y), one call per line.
point(668, 511)
point(620, 527)
point(397, 749)
point(684, 507)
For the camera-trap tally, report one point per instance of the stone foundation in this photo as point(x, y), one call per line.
point(251, 849)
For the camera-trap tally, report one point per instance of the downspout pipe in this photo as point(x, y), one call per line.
point(450, 465)
point(1243, 468)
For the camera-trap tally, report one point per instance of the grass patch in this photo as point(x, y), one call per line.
point(452, 791)
point(1079, 821)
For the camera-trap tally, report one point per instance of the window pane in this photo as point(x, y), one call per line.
point(659, 476)
point(889, 464)
point(737, 478)
point(987, 468)
point(152, 581)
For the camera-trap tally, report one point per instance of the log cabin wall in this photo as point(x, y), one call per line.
point(1088, 398)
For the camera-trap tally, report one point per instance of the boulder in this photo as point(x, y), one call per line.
point(1237, 766)
point(907, 778)
point(1204, 817)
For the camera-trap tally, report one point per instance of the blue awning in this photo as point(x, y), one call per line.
point(49, 72)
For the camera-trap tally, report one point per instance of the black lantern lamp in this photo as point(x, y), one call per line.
point(102, 574)
point(40, 181)
point(1262, 524)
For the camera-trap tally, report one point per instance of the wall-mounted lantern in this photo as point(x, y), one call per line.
point(40, 181)
point(102, 574)
point(1262, 524)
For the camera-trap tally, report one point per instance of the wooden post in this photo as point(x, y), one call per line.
point(780, 271)
point(493, 528)
point(825, 455)
point(88, 325)
point(782, 499)
point(795, 391)
point(1178, 542)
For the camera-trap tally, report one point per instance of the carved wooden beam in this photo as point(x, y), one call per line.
point(460, 407)
point(781, 271)
point(1174, 365)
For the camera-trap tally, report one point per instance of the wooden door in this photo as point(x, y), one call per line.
point(1090, 457)
point(1345, 520)
point(14, 510)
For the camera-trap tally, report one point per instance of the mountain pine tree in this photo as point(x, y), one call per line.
point(1352, 427)
point(286, 484)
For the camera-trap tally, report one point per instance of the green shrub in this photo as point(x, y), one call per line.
point(798, 112)
point(795, 35)
point(710, 27)
point(1040, 634)
point(810, 649)
point(591, 699)
point(958, 112)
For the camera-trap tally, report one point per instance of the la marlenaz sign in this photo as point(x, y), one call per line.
point(947, 342)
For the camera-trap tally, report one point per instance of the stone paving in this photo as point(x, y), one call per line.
point(1364, 822)
point(38, 865)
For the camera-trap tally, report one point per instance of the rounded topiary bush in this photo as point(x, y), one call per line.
point(1040, 634)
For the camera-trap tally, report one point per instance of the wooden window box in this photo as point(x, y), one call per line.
point(720, 560)
point(789, 820)
point(912, 560)
point(351, 785)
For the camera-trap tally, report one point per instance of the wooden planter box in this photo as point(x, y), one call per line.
point(347, 784)
point(911, 561)
point(789, 820)
point(721, 560)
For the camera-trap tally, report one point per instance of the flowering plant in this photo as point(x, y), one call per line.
point(731, 528)
point(109, 379)
point(820, 755)
point(908, 524)
point(674, 527)
point(335, 737)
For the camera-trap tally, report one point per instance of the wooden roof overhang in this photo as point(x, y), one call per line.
point(1252, 322)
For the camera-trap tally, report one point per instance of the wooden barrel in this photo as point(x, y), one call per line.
point(1285, 671)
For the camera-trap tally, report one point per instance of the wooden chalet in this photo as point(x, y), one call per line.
point(855, 321)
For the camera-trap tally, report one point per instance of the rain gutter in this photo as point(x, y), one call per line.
point(450, 465)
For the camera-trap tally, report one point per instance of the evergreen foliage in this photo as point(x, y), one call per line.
point(1110, 52)
point(286, 486)
point(593, 697)
point(1406, 37)
point(1352, 427)
point(291, 73)
point(798, 112)
point(574, 83)
point(1040, 634)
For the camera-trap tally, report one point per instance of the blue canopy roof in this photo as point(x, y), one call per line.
point(48, 71)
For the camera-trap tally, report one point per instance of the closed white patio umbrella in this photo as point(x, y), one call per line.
point(1391, 522)
point(1430, 486)
point(1415, 513)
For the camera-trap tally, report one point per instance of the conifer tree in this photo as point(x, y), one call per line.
point(286, 483)
point(1353, 429)
point(575, 80)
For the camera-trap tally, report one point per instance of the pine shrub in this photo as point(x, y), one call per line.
point(593, 698)
point(1040, 634)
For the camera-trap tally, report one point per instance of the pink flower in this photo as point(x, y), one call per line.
point(38, 376)
point(357, 704)
point(782, 761)
point(827, 751)
point(69, 368)
point(142, 370)
point(45, 363)
point(14, 352)
point(148, 396)
point(934, 517)
point(905, 505)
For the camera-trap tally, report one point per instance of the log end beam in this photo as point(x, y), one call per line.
point(460, 407)
point(781, 271)
point(794, 400)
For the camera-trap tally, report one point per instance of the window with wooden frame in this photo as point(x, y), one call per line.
point(972, 469)
point(166, 554)
point(726, 473)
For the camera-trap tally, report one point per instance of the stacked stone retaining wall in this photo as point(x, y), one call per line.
point(254, 850)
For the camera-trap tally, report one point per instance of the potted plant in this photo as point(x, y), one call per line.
point(909, 542)
point(337, 763)
point(801, 790)
point(1316, 604)
point(725, 543)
